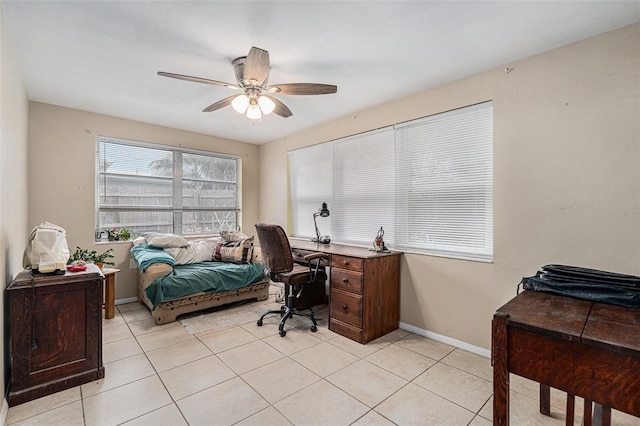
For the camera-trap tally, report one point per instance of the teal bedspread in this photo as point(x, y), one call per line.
point(211, 277)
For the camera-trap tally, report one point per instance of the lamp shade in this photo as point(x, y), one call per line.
point(324, 211)
point(253, 112)
point(240, 103)
point(266, 105)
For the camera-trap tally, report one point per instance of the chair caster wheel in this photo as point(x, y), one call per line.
point(259, 323)
point(282, 333)
point(314, 328)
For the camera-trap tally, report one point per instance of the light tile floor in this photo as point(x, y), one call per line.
point(248, 375)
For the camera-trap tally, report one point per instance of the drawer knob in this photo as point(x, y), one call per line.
point(344, 280)
point(344, 306)
point(344, 262)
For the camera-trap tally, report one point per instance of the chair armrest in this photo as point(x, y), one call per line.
point(314, 256)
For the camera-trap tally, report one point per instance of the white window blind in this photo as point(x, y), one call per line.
point(354, 176)
point(143, 187)
point(363, 192)
point(310, 185)
point(427, 182)
point(444, 185)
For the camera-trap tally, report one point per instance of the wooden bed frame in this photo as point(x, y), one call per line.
point(168, 311)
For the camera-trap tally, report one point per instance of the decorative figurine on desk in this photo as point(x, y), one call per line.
point(378, 243)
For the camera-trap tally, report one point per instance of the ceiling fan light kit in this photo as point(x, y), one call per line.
point(252, 75)
point(253, 112)
point(240, 103)
point(266, 105)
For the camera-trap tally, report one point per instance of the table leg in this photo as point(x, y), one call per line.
point(571, 406)
point(545, 400)
point(601, 415)
point(499, 355)
point(588, 415)
point(109, 296)
point(606, 416)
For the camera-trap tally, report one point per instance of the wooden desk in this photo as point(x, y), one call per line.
point(109, 292)
point(587, 349)
point(364, 289)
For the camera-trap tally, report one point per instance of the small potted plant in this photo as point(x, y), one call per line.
point(125, 234)
point(112, 234)
point(83, 255)
point(101, 259)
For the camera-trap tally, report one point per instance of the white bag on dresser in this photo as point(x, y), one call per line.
point(47, 249)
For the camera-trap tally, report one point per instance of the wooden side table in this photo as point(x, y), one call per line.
point(584, 348)
point(109, 292)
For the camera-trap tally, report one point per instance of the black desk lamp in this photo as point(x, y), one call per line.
point(322, 212)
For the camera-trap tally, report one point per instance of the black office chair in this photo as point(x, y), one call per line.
point(279, 265)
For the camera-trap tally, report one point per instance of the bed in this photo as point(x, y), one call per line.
point(170, 288)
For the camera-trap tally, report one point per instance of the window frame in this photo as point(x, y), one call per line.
point(176, 208)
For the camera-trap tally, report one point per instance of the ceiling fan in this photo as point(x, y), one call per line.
point(252, 75)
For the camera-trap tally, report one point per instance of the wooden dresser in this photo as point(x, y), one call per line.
point(55, 327)
point(364, 289)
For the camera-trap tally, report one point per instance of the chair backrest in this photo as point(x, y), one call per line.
point(275, 248)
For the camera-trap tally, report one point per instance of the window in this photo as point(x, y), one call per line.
point(311, 186)
point(144, 187)
point(444, 190)
point(427, 182)
point(352, 176)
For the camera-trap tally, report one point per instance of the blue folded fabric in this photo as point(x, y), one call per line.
point(145, 255)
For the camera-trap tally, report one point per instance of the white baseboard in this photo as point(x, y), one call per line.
point(127, 300)
point(4, 412)
point(448, 340)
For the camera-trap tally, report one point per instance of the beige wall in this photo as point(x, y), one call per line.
point(13, 177)
point(566, 177)
point(62, 173)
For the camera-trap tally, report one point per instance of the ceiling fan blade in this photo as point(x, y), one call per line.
point(256, 66)
point(197, 79)
point(281, 109)
point(220, 104)
point(303, 89)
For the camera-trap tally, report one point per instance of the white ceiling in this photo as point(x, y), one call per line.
point(102, 56)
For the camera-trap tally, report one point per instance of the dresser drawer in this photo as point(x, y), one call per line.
point(343, 279)
point(346, 307)
point(346, 262)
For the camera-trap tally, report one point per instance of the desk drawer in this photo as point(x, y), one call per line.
point(343, 279)
point(346, 262)
point(346, 307)
point(345, 330)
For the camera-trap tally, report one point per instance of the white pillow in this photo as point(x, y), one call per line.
point(139, 240)
point(198, 251)
point(155, 239)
